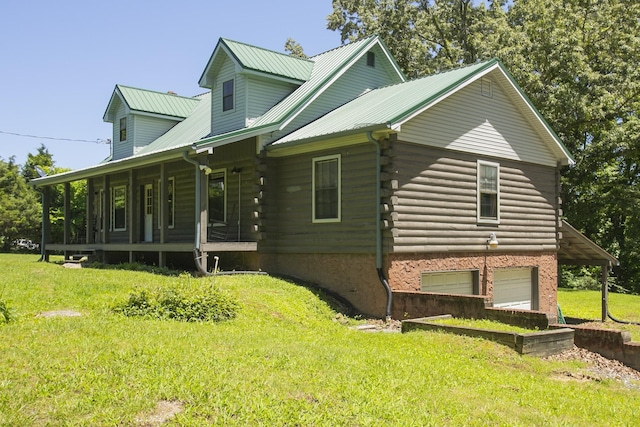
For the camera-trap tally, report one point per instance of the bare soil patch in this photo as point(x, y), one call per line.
point(163, 412)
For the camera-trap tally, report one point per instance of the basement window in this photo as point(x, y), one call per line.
point(459, 282)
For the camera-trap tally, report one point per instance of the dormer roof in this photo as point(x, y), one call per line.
point(148, 102)
point(252, 59)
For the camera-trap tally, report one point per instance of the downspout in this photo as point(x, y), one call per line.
point(196, 252)
point(381, 277)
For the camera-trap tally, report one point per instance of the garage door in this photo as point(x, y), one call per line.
point(512, 288)
point(449, 282)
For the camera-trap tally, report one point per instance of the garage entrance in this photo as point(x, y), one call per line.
point(515, 288)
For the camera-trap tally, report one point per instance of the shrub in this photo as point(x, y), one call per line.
point(189, 301)
point(6, 314)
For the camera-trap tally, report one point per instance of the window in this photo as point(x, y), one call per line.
point(227, 95)
point(487, 87)
point(326, 189)
point(488, 192)
point(171, 184)
point(217, 197)
point(123, 129)
point(119, 208)
point(371, 59)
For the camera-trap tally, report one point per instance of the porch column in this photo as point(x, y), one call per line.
point(605, 290)
point(89, 231)
point(46, 223)
point(204, 202)
point(163, 208)
point(106, 217)
point(131, 213)
point(67, 216)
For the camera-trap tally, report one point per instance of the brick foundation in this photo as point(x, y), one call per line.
point(404, 271)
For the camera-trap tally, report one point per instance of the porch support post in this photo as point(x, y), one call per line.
point(131, 219)
point(67, 217)
point(163, 205)
point(90, 224)
point(106, 217)
point(46, 223)
point(204, 202)
point(605, 290)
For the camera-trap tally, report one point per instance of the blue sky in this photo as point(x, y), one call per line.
point(60, 61)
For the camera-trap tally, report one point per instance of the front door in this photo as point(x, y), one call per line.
point(148, 213)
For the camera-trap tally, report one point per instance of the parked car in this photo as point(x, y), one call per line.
point(26, 244)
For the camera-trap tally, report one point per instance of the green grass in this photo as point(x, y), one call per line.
point(587, 305)
point(283, 361)
point(483, 324)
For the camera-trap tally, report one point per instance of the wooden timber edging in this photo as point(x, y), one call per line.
point(542, 343)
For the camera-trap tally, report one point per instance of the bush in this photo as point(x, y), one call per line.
point(6, 315)
point(579, 279)
point(189, 301)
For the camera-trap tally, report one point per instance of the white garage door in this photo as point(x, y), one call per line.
point(512, 288)
point(448, 282)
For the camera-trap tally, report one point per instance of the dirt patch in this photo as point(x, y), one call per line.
point(598, 368)
point(163, 412)
point(60, 313)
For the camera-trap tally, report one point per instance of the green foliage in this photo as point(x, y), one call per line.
point(6, 314)
point(19, 207)
point(578, 63)
point(184, 301)
point(294, 48)
point(579, 278)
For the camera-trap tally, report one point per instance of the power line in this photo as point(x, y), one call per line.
point(97, 141)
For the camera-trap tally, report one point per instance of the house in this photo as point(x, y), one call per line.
point(339, 171)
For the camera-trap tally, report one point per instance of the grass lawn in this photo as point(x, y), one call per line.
point(283, 361)
point(588, 305)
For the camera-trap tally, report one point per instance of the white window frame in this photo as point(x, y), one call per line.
point(483, 219)
point(172, 207)
point(113, 207)
point(315, 161)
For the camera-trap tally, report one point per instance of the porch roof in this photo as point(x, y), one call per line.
point(578, 249)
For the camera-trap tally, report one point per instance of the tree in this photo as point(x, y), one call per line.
point(579, 63)
point(19, 207)
point(294, 48)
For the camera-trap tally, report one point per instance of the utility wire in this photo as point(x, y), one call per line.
point(97, 141)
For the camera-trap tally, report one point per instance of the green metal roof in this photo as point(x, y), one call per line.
point(147, 101)
point(268, 61)
point(386, 106)
point(195, 127)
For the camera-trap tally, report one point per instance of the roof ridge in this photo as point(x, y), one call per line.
point(363, 41)
point(225, 40)
point(175, 95)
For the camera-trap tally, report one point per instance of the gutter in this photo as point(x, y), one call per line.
point(381, 276)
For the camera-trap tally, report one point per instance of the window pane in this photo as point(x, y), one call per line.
point(489, 179)
point(227, 95)
point(326, 189)
point(119, 208)
point(488, 191)
point(216, 197)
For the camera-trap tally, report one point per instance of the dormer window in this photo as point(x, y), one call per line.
point(123, 129)
point(371, 59)
point(227, 95)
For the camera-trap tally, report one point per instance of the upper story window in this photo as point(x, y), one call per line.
point(488, 192)
point(371, 59)
point(227, 95)
point(123, 129)
point(326, 189)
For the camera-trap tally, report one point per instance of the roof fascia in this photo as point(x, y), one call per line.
point(202, 82)
point(275, 147)
point(270, 76)
point(391, 60)
point(157, 115)
point(118, 93)
point(233, 136)
point(110, 167)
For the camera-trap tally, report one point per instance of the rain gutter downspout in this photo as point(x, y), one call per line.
point(197, 254)
point(381, 277)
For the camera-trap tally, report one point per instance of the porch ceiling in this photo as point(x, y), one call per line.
point(578, 249)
